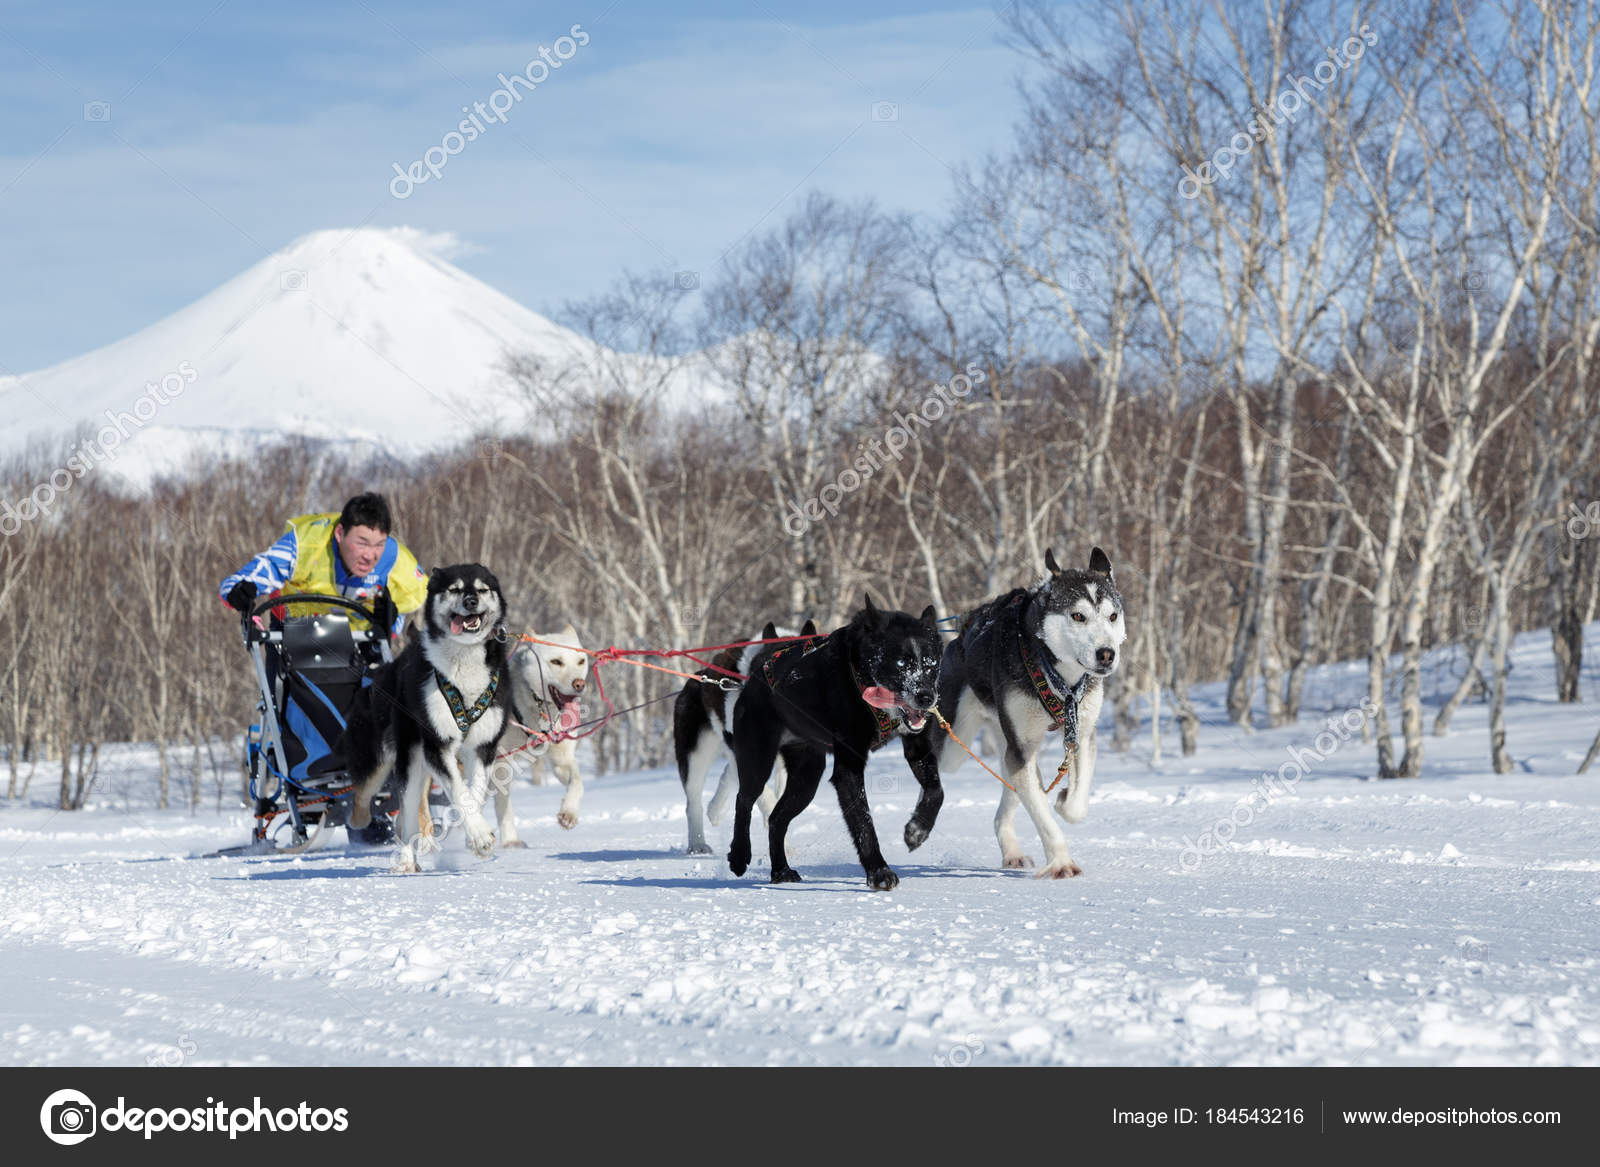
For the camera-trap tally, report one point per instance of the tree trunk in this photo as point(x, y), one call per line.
point(1124, 720)
point(1155, 721)
point(161, 750)
point(1501, 617)
point(1470, 681)
point(1183, 707)
point(1241, 675)
point(1588, 759)
point(1567, 562)
point(1246, 654)
point(65, 800)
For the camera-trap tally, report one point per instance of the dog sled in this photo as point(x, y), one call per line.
point(309, 670)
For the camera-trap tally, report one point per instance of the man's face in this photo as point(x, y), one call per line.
point(360, 548)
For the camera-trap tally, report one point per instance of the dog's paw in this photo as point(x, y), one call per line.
point(405, 863)
point(700, 848)
point(1071, 813)
point(1016, 861)
point(738, 863)
point(568, 819)
point(916, 835)
point(786, 875)
point(1063, 869)
point(882, 880)
point(480, 839)
point(513, 844)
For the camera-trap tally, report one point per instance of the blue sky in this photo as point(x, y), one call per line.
point(235, 127)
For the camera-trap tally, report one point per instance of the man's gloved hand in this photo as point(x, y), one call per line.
point(242, 595)
point(384, 612)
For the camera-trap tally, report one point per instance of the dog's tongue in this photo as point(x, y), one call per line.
point(569, 715)
point(880, 697)
point(877, 695)
point(456, 624)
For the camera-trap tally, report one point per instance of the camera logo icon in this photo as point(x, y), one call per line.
point(68, 1117)
point(97, 111)
point(292, 280)
point(885, 111)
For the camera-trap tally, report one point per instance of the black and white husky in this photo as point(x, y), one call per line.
point(437, 710)
point(1029, 662)
point(847, 694)
point(702, 721)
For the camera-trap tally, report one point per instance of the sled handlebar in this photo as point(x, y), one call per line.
point(253, 633)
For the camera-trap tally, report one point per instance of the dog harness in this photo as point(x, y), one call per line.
point(805, 648)
point(1047, 683)
point(884, 720)
point(466, 718)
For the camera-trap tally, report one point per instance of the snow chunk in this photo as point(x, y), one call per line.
point(1030, 1039)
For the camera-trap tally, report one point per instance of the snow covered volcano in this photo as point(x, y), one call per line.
point(363, 334)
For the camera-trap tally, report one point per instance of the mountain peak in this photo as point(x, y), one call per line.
point(367, 334)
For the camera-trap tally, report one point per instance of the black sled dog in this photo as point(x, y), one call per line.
point(702, 717)
point(847, 694)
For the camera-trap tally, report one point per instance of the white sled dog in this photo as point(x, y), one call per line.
point(546, 682)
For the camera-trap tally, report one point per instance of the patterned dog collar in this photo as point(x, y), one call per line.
point(1063, 712)
point(466, 718)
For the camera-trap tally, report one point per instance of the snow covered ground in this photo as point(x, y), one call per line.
point(1453, 919)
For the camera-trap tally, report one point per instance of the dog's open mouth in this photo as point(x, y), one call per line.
point(568, 712)
point(468, 623)
point(881, 698)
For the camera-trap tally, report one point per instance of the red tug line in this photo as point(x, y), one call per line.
point(604, 656)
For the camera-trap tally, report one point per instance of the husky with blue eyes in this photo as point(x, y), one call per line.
point(1029, 662)
point(844, 694)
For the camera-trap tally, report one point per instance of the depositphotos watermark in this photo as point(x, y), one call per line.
point(91, 452)
point(1270, 787)
point(482, 114)
point(798, 517)
point(962, 1054)
point(1287, 104)
point(1583, 522)
point(71, 1116)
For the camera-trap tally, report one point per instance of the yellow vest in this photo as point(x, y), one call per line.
point(314, 571)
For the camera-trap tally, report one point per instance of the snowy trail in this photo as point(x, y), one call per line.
point(1454, 919)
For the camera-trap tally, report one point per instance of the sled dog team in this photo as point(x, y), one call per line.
point(465, 691)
